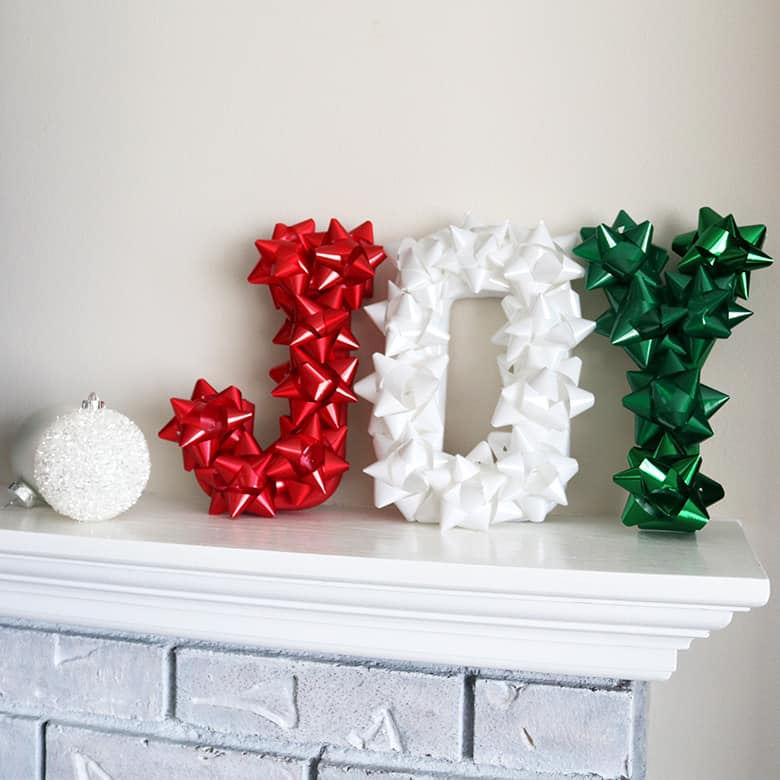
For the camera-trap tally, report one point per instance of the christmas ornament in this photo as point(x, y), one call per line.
point(668, 322)
point(318, 279)
point(516, 475)
point(90, 463)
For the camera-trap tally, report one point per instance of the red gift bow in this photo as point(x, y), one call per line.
point(317, 279)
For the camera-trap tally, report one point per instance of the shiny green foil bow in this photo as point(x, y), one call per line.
point(668, 322)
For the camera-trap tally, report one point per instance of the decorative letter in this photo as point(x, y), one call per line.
point(381, 720)
point(668, 327)
point(318, 280)
point(517, 475)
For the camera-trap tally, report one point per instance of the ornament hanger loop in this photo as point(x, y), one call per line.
point(93, 402)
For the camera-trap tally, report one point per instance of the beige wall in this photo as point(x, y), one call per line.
point(145, 145)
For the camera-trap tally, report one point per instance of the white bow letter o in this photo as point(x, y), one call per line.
point(516, 475)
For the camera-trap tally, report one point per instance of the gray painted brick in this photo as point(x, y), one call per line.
point(18, 747)
point(639, 740)
point(311, 702)
point(42, 671)
point(82, 754)
point(330, 772)
point(546, 728)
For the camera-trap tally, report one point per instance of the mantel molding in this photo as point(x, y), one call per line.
point(573, 596)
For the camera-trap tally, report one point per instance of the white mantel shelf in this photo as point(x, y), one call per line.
point(570, 596)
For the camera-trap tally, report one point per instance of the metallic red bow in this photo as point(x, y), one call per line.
point(317, 279)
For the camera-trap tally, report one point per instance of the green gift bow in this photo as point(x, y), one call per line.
point(668, 323)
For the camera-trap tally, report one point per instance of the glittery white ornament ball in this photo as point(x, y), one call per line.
point(90, 464)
